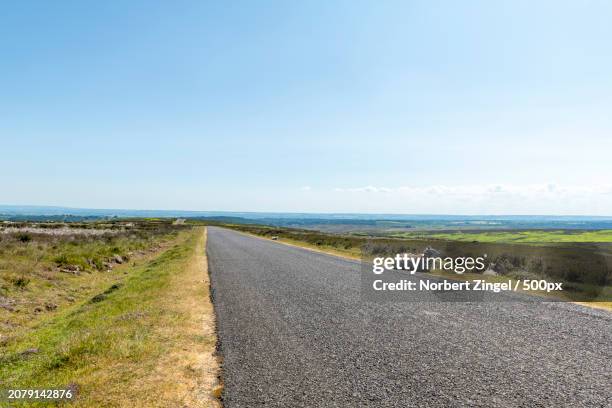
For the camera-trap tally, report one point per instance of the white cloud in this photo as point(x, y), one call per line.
point(546, 198)
point(367, 189)
point(483, 190)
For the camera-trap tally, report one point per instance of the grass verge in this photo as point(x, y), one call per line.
point(353, 252)
point(518, 237)
point(146, 342)
point(45, 268)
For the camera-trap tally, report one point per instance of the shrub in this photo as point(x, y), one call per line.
point(503, 264)
point(20, 282)
point(61, 259)
point(536, 265)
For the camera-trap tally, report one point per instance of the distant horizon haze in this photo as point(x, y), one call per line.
point(49, 210)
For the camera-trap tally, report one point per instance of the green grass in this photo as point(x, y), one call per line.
point(45, 272)
point(518, 237)
point(108, 344)
point(583, 265)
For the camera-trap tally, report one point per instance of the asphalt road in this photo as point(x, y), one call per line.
point(294, 331)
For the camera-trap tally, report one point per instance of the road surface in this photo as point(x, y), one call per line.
point(294, 331)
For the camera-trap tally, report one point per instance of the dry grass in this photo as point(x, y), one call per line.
point(188, 374)
point(43, 273)
point(62, 231)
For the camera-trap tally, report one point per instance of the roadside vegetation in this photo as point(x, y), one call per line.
point(47, 266)
point(518, 237)
point(346, 245)
point(120, 313)
point(584, 267)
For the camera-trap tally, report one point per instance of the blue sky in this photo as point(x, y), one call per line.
point(475, 107)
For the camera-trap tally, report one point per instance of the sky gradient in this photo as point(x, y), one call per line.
point(475, 107)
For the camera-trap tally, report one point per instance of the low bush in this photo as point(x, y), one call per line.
point(24, 237)
point(20, 282)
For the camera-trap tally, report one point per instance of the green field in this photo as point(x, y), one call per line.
point(518, 237)
point(581, 259)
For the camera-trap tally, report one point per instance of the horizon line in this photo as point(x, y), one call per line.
point(62, 207)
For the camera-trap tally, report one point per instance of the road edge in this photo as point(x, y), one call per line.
point(591, 305)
